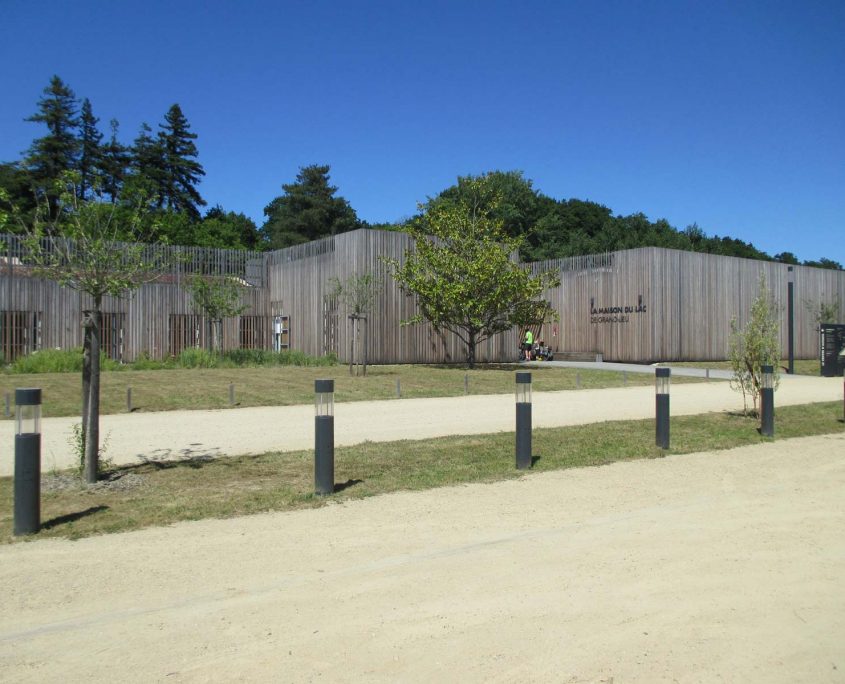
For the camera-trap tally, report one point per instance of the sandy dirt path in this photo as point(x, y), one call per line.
point(723, 566)
point(177, 434)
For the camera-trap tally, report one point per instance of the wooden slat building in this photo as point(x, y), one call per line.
point(637, 305)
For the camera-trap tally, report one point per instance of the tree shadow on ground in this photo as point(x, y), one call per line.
point(164, 459)
point(72, 517)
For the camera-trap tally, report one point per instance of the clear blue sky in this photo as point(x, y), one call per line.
point(728, 114)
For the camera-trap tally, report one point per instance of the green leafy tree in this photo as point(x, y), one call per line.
point(226, 229)
point(57, 152)
point(308, 210)
point(182, 171)
point(824, 312)
point(92, 257)
point(217, 298)
point(358, 294)
point(824, 262)
point(90, 151)
point(754, 346)
point(462, 274)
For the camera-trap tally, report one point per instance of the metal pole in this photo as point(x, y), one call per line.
point(324, 437)
point(523, 422)
point(129, 400)
point(324, 454)
point(662, 409)
point(791, 326)
point(767, 404)
point(8, 409)
point(231, 394)
point(707, 374)
point(27, 487)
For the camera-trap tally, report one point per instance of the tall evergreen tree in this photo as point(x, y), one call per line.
point(114, 163)
point(308, 210)
point(57, 152)
point(148, 167)
point(182, 171)
point(90, 151)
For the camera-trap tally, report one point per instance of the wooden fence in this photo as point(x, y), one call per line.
point(637, 305)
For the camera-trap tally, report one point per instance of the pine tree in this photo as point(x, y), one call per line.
point(114, 163)
point(308, 210)
point(90, 151)
point(57, 152)
point(182, 171)
point(148, 167)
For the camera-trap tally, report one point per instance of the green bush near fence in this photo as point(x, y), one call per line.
point(70, 360)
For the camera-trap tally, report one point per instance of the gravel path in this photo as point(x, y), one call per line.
point(723, 566)
point(179, 434)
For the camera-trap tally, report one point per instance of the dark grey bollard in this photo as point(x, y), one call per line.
point(662, 376)
point(27, 461)
point(324, 437)
point(523, 420)
point(231, 394)
point(767, 402)
point(129, 400)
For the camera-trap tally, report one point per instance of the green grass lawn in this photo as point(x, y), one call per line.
point(208, 388)
point(148, 495)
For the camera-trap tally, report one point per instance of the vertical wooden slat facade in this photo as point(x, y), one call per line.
point(638, 305)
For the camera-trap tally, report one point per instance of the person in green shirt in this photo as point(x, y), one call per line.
point(527, 345)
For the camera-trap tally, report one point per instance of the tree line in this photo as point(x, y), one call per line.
point(162, 166)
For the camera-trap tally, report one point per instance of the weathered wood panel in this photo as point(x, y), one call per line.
point(639, 305)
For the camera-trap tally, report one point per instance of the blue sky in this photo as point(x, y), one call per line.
point(728, 114)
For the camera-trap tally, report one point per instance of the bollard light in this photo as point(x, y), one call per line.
point(661, 382)
point(523, 420)
point(324, 436)
point(767, 401)
point(27, 460)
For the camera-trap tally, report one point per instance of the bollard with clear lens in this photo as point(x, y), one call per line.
point(27, 461)
point(523, 420)
point(324, 436)
point(661, 383)
point(767, 401)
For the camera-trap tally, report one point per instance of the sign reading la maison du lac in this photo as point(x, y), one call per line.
point(615, 314)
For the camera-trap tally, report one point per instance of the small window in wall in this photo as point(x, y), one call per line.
point(111, 335)
point(20, 333)
point(281, 333)
point(185, 332)
point(330, 324)
point(253, 332)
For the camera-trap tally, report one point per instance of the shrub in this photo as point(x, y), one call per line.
point(57, 361)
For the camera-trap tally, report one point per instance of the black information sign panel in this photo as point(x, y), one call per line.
point(832, 347)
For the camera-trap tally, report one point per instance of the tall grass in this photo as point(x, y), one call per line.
point(57, 361)
point(70, 360)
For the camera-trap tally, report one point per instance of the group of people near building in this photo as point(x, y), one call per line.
point(534, 351)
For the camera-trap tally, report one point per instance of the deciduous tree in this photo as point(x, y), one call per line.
point(755, 345)
point(462, 273)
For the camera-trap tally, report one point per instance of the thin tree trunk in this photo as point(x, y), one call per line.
point(366, 341)
point(87, 322)
point(352, 345)
point(92, 427)
point(471, 350)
